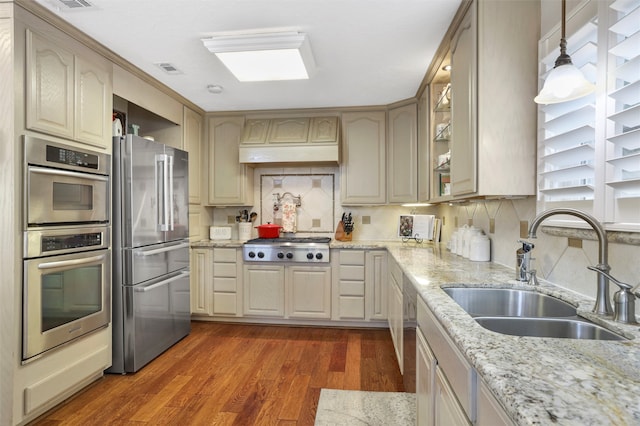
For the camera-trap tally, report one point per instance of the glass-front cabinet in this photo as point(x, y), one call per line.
point(440, 132)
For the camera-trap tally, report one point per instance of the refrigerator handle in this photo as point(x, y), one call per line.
point(161, 187)
point(171, 202)
point(161, 283)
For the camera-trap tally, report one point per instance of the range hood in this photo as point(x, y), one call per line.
point(291, 140)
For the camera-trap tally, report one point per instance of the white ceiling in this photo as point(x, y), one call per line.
point(367, 52)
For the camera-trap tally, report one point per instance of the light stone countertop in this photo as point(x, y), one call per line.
point(538, 381)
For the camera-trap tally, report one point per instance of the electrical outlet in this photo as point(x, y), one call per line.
point(524, 229)
point(231, 219)
point(366, 220)
point(315, 223)
point(492, 226)
point(575, 242)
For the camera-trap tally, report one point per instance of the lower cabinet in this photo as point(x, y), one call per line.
point(264, 290)
point(227, 281)
point(201, 280)
point(309, 291)
point(448, 390)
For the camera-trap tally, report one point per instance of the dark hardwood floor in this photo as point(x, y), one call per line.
point(229, 374)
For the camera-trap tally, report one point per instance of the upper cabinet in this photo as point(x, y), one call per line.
point(230, 182)
point(192, 128)
point(490, 147)
point(363, 166)
point(402, 155)
point(67, 94)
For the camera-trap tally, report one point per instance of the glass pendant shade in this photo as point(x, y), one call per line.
point(564, 83)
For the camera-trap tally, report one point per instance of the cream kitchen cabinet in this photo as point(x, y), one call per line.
point(351, 292)
point(490, 412)
point(192, 126)
point(493, 140)
point(402, 155)
point(445, 381)
point(264, 290)
point(363, 166)
point(68, 94)
point(227, 281)
point(376, 285)
point(230, 183)
point(201, 281)
point(309, 291)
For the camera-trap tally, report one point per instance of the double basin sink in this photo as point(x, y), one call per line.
point(526, 313)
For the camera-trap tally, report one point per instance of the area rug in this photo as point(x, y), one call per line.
point(342, 407)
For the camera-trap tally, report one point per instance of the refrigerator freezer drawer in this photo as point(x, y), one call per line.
point(146, 263)
point(159, 316)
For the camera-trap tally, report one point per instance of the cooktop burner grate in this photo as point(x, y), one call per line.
point(299, 240)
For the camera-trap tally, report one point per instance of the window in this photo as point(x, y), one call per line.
point(589, 149)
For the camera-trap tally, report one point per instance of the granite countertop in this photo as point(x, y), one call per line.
point(538, 381)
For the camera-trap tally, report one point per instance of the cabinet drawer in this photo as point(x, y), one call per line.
point(351, 307)
point(351, 257)
point(224, 255)
point(225, 303)
point(224, 284)
point(460, 374)
point(351, 288)
point(224, 269)
point(351, 272)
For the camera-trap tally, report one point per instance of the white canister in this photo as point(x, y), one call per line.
point(466, 244)
point(453, 241)
point(244, 231)
point(480, 248)
point(460, 238)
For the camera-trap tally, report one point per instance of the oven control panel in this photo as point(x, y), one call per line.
point(297, 254)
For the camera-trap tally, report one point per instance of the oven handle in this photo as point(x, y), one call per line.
point(161, 283)
point(65, 263)
point(162, 250)
point(57, 172)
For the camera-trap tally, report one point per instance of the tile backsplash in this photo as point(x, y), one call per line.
point(556, 260)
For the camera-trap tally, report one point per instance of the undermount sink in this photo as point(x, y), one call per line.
point(547, 327)
point(526, 313)
point(505, 302)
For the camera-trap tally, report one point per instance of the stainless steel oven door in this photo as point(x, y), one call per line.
point(55, 196)
point(64, 297)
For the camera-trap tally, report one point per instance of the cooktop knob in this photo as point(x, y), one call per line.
point(252, 254)
point(260, 254)
point(289, 255)
point(318, 256)
point(309, 256)
point(280, 255)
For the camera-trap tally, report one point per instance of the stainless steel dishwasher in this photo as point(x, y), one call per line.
point(409, 321)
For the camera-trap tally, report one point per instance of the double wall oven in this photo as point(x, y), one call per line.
point(67, 244)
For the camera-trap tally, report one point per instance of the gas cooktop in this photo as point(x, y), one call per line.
point(288, 249)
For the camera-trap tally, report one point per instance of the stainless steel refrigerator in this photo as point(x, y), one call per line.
point(151, 308)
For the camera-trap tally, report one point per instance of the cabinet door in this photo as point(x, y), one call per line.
point(376, 285)
point(402, 155)
point(490, 412)
point(230, 183)
point(264, 290)
point(323, 129)
point(464, 150)
point(363, 167)
point(49, 85)
point(201, 285)
point(309, 290)
point(192, 128)
point(93, 104)
point(448, 411)
point(425, 376)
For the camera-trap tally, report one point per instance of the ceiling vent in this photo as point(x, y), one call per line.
point(75, 4)
point(168, 68)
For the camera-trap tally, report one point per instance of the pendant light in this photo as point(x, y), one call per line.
point(565, 82)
